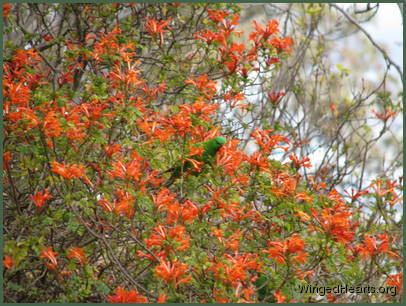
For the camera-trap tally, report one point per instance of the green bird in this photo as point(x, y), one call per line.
point(262, 288)
point(210, 147)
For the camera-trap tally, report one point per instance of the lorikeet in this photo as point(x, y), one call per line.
point(261, 284)
point(210, 147)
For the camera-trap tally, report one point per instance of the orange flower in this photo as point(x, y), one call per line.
point(7, 157)
point(51, 266)
point(268, 142)
point(217, 15)
point(229, 158)
point(200, 108)
point(277, 250)
point(388, 191)
point(113, 149)
point(261, 33)
point(336, 221)
point(26, 114)
point(49, 254)
point(161, 298)
point(68, 171)
point(197, 166)
point(385, 242)
point(128, 77)
point(123, 296)
point(164, 198)
point(260, 161)
point(303, 216)
point(51, 125)
point(355, 195)
point(123, 204)
point(152, 93)
point(368, 248)
point(237, 270)
point(48, 37)
point(172, 272)
point(281, 43)
point(386, 115)
point(301, 257)
point(234, 98)
point(305, 162)
point(8, 261)
point(106, 205)
point(77, 253)
point(379, 190)
point(237, 212)
point(189, 211)
point(210, 36)
point(205, 86)
point(275, 96)
point(157, 237)
point(284, 184)
point(336, 197)
point(6, 10)
point(218, 233)
point(18, 94)
point(131, 170)
point(178, 234)
point(281, 249)
point(154, 27)
point(180, 124)
point(280, 298)
point(233, 241)
point(396, 280)
point(303, 196)
point(25, 58)
point(40, 198)
point(295, 243)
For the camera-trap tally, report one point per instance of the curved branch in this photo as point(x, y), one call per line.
point(380, 49)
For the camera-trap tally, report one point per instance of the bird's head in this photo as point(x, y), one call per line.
point(220, 141)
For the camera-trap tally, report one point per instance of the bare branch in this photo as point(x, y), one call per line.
point(380, 49)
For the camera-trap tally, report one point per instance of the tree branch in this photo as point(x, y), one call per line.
point(380, 49)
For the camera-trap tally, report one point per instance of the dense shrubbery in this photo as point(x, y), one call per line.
point(87, 143)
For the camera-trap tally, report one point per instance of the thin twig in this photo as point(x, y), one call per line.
point(380, 49)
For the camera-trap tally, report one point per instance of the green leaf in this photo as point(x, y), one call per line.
point(101, 287)
point(15, 286)
point(342, 69)
point(314, 10)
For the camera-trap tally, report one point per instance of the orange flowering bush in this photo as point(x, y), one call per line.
point(88, 144)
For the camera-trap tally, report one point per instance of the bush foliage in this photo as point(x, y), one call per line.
point(96, 112)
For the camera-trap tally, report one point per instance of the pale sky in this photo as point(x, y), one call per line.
point(387, 30)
